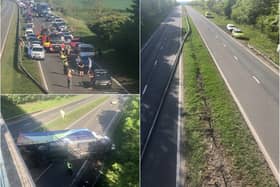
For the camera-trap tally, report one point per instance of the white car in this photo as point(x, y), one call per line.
point(28, 31)
point(85, 50)
point(230, 27)
point(37, 52)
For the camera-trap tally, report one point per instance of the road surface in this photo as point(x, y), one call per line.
point(159, 162)
point(8, 10)
point(255, 86)
point(55, 81)
point(99, 120)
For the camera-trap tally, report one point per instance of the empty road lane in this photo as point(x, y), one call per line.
point(253, 85)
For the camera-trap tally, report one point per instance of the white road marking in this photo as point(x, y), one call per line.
point(115, 80)
point(216, 36)
point(235, 57)
point(144, 90)
point(256, 79)
point(111, 122)
point(224, 45)
point(44, 171)
point(78, 173)
point(156, 62)
point(6, 35)
point(250, 125)
point(178, 164)
point(43, 76)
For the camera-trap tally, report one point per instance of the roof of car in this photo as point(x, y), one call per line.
point(85, 45)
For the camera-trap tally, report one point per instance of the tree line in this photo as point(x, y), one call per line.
point(262, 14)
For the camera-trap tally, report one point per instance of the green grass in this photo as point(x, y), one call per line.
point(256, 38)
point(232, 132)
point(30, 65)
point(59, 123)
point(122, 166)
point(9, 110)
point(12, 80)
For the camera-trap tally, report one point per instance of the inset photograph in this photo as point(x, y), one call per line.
point(69, 46)
point(70, 140)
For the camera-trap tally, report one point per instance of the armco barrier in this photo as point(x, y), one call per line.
point(18, 59)
point(163, 95)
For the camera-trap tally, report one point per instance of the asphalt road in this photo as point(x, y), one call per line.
point(156, 65)
point(161, 160)
point(162, 163)
point(255, 86)
point(7, 11)
point(54, 79)
point(99, 120)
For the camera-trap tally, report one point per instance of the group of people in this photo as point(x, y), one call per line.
point(65, 56)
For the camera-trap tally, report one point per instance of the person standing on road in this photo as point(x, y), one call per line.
point(65, 66)
point(91, 78)
point(69, 78)
point(81, 69)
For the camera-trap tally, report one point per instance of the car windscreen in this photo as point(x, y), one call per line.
point(102, 76)
point(37, 49)
point(86, 49)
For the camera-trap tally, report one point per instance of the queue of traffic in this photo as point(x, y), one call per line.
point(55, 36)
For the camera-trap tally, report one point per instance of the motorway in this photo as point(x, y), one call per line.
point(101, 120)
point(55, 81)
point(253, 84)
point(7, 12)
point(160, 162)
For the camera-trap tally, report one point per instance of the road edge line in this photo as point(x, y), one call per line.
point(252, 129)
point(274, 70)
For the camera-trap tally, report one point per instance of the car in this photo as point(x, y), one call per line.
point(30, 46)
point(75, 42)
point(102, 78)
point(85, 50)
point(29, 25)
point(37, 52)
point(230, 27)
point(208, 15)
point(237, 33)
point(28, 32)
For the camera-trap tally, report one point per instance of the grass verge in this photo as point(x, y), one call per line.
point(256, 38)
point(30, 65)
point(13, 81)
point(9, 110)
point(60, 123)
point(122, 166)
point(240, 149)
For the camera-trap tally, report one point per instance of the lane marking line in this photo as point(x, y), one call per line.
point(256, 79)
point(6, 35)
point(235, 57)
point(156, 62)
point(178, 164)
point(43, 76)
point(115, 80)
point(43, 172)
point(85, 115)
point(246, 118)
point(78, 173)
point(144, 90)
point(274, 70)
